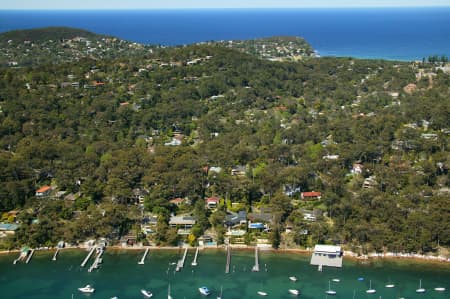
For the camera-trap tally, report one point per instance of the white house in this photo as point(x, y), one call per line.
point(327, 255)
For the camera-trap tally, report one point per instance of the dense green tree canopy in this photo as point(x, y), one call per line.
point(155, 118)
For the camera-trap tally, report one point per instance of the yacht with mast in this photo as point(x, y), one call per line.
point(370, 290)
point(330, 291)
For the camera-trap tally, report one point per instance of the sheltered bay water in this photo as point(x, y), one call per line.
point(120, 275)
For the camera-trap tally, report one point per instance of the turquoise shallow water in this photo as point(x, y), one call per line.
point(121, 276)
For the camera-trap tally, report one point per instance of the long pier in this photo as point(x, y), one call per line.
point(180, 263)
point(21, 257)
point(30, 255)
point(141, 262)
point(194, 262)
point(227, 267)
point(97, 261)
point(56, 253)
point(88, 257)
point(256, 266)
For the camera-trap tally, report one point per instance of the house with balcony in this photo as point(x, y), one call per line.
point(327, 255)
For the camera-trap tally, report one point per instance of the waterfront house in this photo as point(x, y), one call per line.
point(8, 229)
point(235, 219)
point(186, 221)
point(128, 240)
point(183, 223)
point(206, 240)
point(264, 215)
point(288, 227)
point(148, 224)
point(327, 255)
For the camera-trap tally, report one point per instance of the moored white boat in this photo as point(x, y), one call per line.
point(336, 280)
point(261, 293)
point(87, 289)
point(293, 278)
point(439, 289)
point(204, 291)
point(330, 291)
point(294, 292)
point(420, 289)
point(370, 290)
point(146, 293)
point(390, 284)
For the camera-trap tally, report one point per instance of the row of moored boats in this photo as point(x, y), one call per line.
point(88, 289)
point(206, 292)
point(371, 290)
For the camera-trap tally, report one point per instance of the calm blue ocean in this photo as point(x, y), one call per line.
point(389, 33)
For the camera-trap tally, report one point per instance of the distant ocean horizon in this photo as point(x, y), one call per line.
point(378, 33)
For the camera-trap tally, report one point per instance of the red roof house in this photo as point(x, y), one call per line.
point(44, 191)
point(177, 201)
point(212, 202)
point(311, 195)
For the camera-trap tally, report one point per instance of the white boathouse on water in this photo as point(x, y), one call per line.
point(327, 255)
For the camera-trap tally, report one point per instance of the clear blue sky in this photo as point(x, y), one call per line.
point(173, 4)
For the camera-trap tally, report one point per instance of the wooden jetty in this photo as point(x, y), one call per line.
point(227, 267)
point(141, 262)
point(194, 262)
point(180, 263)
point(96, 262)
point(22, 256)
point(56, 253)
point(30, 255)
point(88, 257)
point(256, 266)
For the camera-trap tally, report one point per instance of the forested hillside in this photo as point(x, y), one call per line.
point(148, 124)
